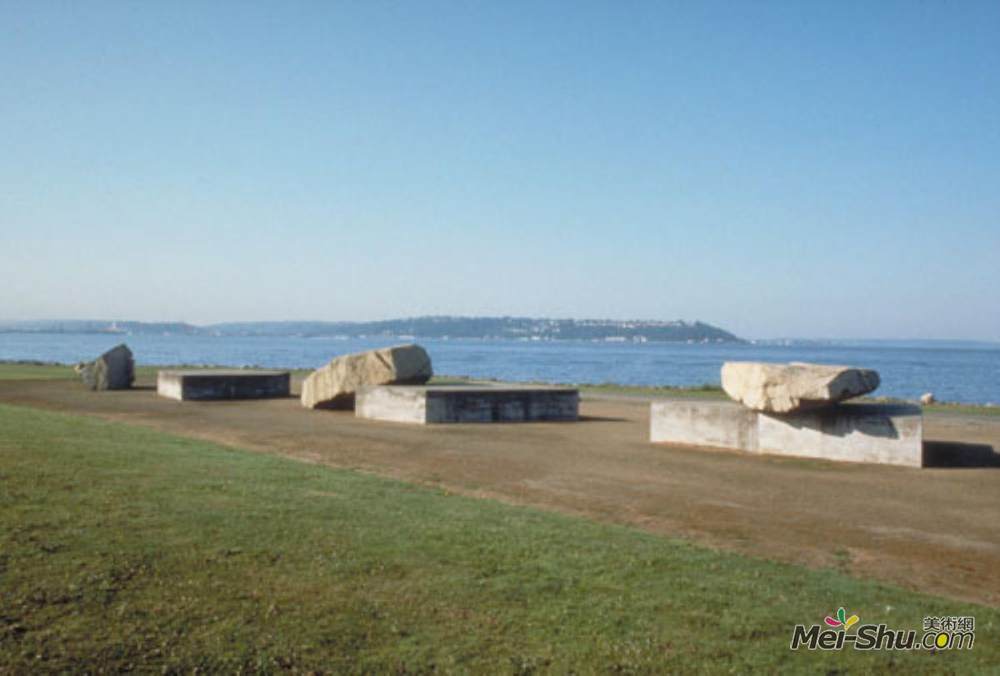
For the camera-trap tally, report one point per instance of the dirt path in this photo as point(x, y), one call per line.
point(934, 530)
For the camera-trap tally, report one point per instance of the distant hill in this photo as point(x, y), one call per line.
point(98, 326)
point(512, 328)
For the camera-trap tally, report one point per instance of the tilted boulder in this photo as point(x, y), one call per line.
point(334, 385)
point(783, 388)
point(113, 370)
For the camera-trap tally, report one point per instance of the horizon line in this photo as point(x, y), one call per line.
point(986, 341)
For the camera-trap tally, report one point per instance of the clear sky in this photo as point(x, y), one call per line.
point(809, 169)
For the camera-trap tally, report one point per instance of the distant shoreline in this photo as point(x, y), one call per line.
point(894, 343)
point(864, 343)
point(424, 328)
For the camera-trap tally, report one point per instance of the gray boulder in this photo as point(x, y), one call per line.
point(334, 385)
point(113, 370)
point(783, 388)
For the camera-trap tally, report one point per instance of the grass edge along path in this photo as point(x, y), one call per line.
point(43, 371)
point(123, 548)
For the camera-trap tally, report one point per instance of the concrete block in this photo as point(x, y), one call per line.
point(423, 404)
point(395, 403)
point(700, 423)
point(855, 432)
point(885, 434)
point(205, 384)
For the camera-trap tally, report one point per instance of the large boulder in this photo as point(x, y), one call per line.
point(783, 388)
point(113, 370)
point(334, 385)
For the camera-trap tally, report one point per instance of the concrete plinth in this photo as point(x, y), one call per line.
point(203, 385)
point(889, 434)
point(721, 424)
point(467, 403)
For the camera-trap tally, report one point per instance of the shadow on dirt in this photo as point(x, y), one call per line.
point(957, 454)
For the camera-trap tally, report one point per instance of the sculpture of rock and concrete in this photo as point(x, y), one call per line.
point(113, 370)
point(783, 388)
point(878, 433)
point(334, 385)
point(798, 410)
point(210, 384)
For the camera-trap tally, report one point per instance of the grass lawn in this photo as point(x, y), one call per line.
point(661, 392)
point(31, 371)
point(714, 392)
point(964, 409)
point(124, 548)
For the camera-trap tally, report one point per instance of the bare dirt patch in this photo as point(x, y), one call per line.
point(935, 530)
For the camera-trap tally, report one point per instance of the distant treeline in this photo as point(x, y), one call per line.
point(516, 328)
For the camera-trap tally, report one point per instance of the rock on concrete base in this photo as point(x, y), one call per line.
point(890, 434)
point(467, 403)
point(204, 385)
point(335, 385)
point(113, 370)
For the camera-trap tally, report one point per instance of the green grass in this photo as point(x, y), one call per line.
point(665, 391)
point(964, 409)
point(31, 371)
point(41, 371)
point(35, 371)
point(123, 548)
point(709, 391)
point(698, 391)
point(715, 392)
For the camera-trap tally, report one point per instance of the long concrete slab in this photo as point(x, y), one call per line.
point(889, 434)
point(429, 404)
point(211, 384)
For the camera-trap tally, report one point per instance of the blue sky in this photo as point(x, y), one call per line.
point(780, 169)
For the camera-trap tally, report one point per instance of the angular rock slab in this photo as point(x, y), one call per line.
point(468, 403)
point(334, 385)
point(211, 384)
point(888, 434)
point(784, 388)
point(113, 370)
